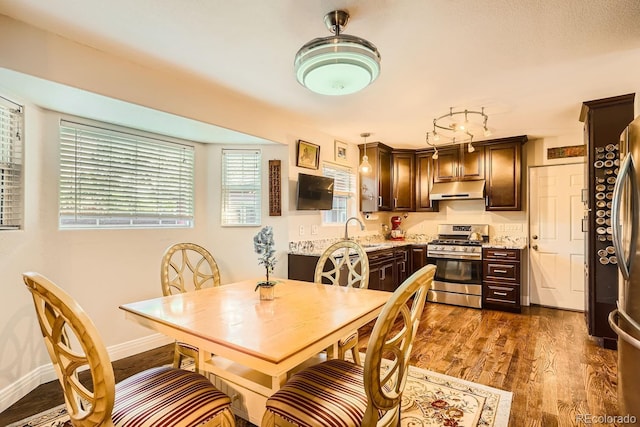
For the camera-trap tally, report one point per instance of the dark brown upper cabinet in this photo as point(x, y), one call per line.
point(403, 180)
point(424, 182)
point(457, 164)
point(503, 162)
point(375, 187)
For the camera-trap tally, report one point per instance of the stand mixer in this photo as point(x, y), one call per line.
point(396, 232)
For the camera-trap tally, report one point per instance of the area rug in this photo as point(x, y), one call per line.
point(429, 400)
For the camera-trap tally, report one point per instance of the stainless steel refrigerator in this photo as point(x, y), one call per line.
point(625, 221)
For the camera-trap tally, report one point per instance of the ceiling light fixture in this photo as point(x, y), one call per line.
point(337, 65)
point(456, 130)
point(365, 166)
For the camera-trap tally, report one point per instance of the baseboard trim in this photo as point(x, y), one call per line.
point(45, 373)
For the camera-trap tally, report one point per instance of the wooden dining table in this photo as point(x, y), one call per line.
point(257, 344)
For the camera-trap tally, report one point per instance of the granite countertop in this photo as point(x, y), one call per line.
point(316, 249)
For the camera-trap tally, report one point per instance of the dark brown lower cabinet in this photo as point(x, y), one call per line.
point(388, 268)
point(382, 270)
point(417, 257)
point(501, 279)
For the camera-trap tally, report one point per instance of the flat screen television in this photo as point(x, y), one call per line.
point(314, 192)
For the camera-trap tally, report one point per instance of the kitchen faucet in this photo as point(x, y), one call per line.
point(346, 229)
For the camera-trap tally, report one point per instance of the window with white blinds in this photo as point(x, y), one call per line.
point(115, 179)
point(11, 123)
point(241, 187)
point(343, 194)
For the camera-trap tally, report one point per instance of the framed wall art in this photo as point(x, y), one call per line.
point(340, 154)
point(308, 155)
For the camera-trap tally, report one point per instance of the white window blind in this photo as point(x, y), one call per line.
point(11, 123)
point(343, 194)
point(115, 179)
point(241, 187)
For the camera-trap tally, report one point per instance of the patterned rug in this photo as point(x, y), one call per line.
point(429, 400)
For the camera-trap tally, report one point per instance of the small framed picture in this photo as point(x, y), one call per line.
point(308, 155)
point(340, 152)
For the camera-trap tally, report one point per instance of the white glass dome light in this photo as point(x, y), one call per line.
point(339, 64)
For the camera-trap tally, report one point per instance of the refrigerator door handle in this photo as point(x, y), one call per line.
point(627, 171)
point(622, 334)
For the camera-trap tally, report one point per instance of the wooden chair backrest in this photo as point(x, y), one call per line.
point(392, 339)
point(62, 321)
point(343, 254)
point(185, 263)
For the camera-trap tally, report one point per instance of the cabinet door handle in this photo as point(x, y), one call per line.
point(395, 202)
point(382, 275)
point(379, 201)
point(499, 271)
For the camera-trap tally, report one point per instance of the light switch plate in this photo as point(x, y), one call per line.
point(314, 229)
point(302, 230)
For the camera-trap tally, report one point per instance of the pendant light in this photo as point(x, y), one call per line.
point(365, 166)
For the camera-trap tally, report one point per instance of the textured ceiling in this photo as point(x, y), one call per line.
point(529, 63)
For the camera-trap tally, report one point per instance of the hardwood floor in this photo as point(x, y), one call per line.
point(544, 356)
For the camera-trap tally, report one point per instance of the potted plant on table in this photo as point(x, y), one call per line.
point(263, 245)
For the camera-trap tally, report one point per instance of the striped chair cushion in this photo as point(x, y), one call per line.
point(166, 396)
point(330, 394)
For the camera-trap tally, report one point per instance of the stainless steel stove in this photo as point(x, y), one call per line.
point(457, 254)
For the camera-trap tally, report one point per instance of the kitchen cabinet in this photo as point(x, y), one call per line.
point(501, 279)
point(503, 163)
point(424, 182)
point(401, 255)
point(403, 181)
point(417, 257)
point(376, 193)
point(302, 267)
point(382, 270)
point(457, 164)
point(604, 120)
point(388, 267)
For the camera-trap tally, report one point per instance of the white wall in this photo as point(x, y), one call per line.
point(105, 268)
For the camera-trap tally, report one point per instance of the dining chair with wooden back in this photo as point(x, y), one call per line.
point(344, 263)
point(187, 267)
point(157, 396)
point(342, 393)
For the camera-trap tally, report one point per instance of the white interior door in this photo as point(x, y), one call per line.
point(556, 255)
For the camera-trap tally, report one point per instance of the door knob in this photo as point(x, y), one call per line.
point(534, 247)
point(534, 237)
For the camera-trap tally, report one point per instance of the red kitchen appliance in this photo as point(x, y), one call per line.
point(396, 232)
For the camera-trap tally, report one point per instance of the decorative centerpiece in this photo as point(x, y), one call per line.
point(263, 244)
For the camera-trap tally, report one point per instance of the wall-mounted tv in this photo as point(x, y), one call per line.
point(314, 192)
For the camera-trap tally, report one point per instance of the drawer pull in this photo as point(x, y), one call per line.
point(500, 288)
point(502, 294)
point(500, 254)
point(501, 301)
point(499, 271)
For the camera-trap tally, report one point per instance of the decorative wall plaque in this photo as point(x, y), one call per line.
point(563, 152)
point(275, 188)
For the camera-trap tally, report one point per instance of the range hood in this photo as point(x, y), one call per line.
point(459, 190)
